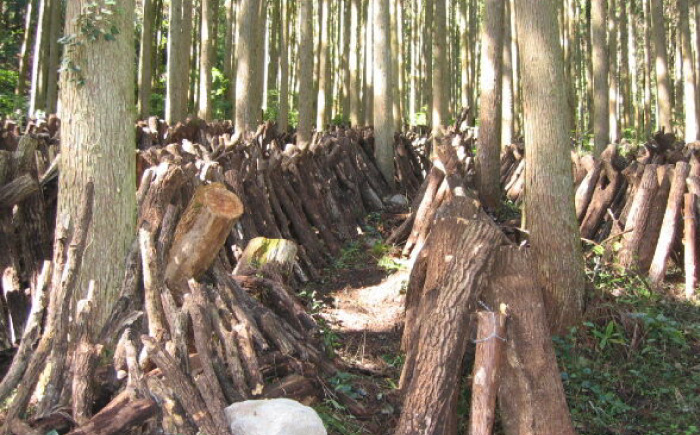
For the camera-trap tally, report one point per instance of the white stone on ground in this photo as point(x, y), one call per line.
point(273, 417)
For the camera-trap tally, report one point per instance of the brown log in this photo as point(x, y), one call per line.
point(200, 234)
point(531, 395)
point(183, 388)
point(638, 218)
point(690, 216)
point(435, 179)
point(609, 181)
point(17, 190)
point(293, 386)
point(447, 277)
point(120, 416)
point(656, 217)
point(153, 285)
point(490, 346)
point(670, 225)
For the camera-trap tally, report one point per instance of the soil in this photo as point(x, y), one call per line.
point(363, 310)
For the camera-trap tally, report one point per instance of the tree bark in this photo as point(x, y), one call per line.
point(489, 148)
point(145, 57)
point(306, 77)
point(440, 71)
point(245, 119)
point(551, 215)
point(207, 58)
point(663, 82)
point(689, 97)
point(383, 105)
point(601, 122)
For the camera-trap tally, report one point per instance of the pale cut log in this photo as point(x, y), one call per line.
point(638, 218)
point(200, 234)
point(531, 395)
point(669, 227)
point(585, 190)
point(690, 216)
point(490, 346)
point(273, 258)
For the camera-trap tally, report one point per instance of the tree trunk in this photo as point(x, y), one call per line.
point(98, 120)
point(489, 149)
point(614, 82)
point(440, 71)
point(178, 64)
point(383, 106)
point(663, 82)
point(551, 216)
point(54, 56)
point(368, 90)
point(283, 113)
point(325, 98)
point(29, 20)
point(354, 85)
point(37, 98)
point(601, 122)
point(245, 82)
point(690, 216)
point(689, 97)
point(207, 58)
point(145, 57)
point(306, 76)
point(507, 80)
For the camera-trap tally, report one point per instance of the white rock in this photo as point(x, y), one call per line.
point(398, 200)
point(273, 417)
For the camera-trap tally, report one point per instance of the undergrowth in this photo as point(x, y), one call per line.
point(633, 365)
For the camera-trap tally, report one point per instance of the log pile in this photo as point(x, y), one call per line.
point(207, 313)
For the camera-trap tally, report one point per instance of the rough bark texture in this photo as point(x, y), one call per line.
point(663, 82)
point(689, 97)
point(98, 120)
point(488, 151)
point(245, 82)
point(531, 396)
point(551, 216)
point(383, 105)
point(601, 125)
point(446, 278)
point(306, 77)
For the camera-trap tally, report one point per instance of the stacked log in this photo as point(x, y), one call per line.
point(216, 322)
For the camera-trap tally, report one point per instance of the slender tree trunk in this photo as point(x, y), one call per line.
point(98, 120)
point(383, 107)
point(145, 57)
point(625, 94)
point(283, 114)
point(245, 119)
point(647, 68)
point(440, 71)
point(614, 83)
point(515, 74)
point(54, 56)
point(689, 100)
point(488, 167)
point(507, 73)
point(428, 60)
point(325, 99)
point(368, 93)
point(306, 76)
point(37, 99)
point(551, 216)
point(601, 122)
point(29, 19)
point(206, 58)
point(354, 85)
point(663, 82)
point(178, 61)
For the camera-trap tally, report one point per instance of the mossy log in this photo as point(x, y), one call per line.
point(273, 258)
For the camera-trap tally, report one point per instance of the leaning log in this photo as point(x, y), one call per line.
point(690, 243)
point(200, 234)
point(447, 276)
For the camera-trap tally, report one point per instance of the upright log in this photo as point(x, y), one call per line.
point(447, 276)
point(531, 395)
point(490, 345)
point(638, 218)
point(669, 227)
point(690, 241)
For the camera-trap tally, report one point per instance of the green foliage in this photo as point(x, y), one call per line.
point(337, 419)
point(420, 117)
point(633, 366)
point(11, 105)
point(221, 106)
point(350, 255)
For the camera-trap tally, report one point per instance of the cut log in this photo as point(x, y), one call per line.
point(17, 190)
point(585, 190)
point(447, 277)
point(638, 218)
point(670, 225)
point(273, 258)
point(200, 234)
point(490, 345)
point(531, 395)
point(656, 217)
point(120, 416)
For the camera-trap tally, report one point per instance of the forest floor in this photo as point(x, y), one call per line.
point(631, 366)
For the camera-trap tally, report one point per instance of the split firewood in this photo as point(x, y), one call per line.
point(200, 234)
